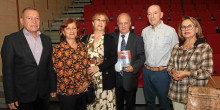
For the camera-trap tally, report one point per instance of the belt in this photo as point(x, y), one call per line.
point(96, 61)
point(155, 68)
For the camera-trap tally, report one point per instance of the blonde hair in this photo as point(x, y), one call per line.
point(100, 14)
point(195, 22)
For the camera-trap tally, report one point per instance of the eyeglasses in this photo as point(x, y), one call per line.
point(189, 27)
point(99, 20)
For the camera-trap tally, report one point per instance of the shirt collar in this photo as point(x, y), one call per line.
point(126, 35)
point(26, 33)
point(158, 27)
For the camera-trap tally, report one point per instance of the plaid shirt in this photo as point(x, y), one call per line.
point(200, 61)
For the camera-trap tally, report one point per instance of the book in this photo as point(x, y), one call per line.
point(124, 59)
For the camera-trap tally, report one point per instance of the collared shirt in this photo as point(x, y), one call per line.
point(200, 61)
point(34, 44)
point(158, 44)
point(71, 67)
point(117, 67)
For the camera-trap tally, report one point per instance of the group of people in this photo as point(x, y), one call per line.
point(33, 70)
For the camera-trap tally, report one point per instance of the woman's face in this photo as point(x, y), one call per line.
point(99, 23)
point(188, 29)
point(70, 31)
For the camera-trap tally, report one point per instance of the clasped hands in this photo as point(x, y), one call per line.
point(179, 75)
point(84, 87)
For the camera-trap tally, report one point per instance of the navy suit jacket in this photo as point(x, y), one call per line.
point(23, 79)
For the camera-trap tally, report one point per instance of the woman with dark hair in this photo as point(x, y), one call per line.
point(103, 56)
point(190, 63)
point(70, 59)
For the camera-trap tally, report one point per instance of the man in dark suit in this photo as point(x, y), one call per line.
point(28, 75)
point(127, 79)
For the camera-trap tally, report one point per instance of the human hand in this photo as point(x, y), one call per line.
point(93, 70)
point(53, 94)
point(175, 74)
point(86, 84)
point(129, 69)
point(81, 89)
point(183, 74)
point(13, 106)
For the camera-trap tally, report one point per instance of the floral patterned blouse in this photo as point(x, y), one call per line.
point(70, 65)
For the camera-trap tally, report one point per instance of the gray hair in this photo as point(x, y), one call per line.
point(28, 8)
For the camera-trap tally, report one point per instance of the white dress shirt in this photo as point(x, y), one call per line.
point(117, 65)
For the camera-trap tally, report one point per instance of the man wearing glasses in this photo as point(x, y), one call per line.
point(159, 40)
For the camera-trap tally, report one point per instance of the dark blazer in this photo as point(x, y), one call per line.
point(110, 59)
point(23, 79)
point(135, 44)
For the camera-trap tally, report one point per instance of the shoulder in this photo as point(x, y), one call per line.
point(146, 28)
point(45, 37)
point(204, 46)
point(85, 38)
point(108, 36)
point(176, 46)
point(57, 46)
point(168, 28)
point(13, 35)
point(136, 36)
point(114, 34)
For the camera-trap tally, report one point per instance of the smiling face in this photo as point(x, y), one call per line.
point(99, 23)
point(154, 15)
point(70, 31)
point(188, 29)
point(124, 23)
point(30, 21)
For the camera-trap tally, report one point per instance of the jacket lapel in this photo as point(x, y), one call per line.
point(129, 42)
point(26, 46)
point(44, 46)
point(116, 39)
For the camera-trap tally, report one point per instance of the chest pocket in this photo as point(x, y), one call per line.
point(163, 43)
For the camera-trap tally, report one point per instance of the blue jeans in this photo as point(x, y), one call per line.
point(156, 83)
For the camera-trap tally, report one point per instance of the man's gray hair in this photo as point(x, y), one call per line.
point(28, 8)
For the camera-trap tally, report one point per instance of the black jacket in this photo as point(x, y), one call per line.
point(23, 79)
point(110, 59)
point(135, 44)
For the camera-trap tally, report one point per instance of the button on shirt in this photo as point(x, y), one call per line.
point(119, 48)
point(34, 44)
point(158, 44)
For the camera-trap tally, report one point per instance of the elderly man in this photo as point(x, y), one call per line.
point(159, 40)
point(127, 79)
point(28, 75)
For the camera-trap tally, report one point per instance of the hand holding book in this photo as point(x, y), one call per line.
point(124, 59)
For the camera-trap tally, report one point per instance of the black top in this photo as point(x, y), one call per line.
point(109, 61)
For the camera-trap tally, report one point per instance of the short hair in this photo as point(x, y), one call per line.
point(195, 22)
point(63, 25)
point(100, 14)
point(129, 17)
point(28, 8)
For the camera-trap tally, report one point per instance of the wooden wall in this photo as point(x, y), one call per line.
point(10, 11)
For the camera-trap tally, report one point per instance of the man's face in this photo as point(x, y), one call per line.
point(154, 15)
point(30, 20)
point(124, 24)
